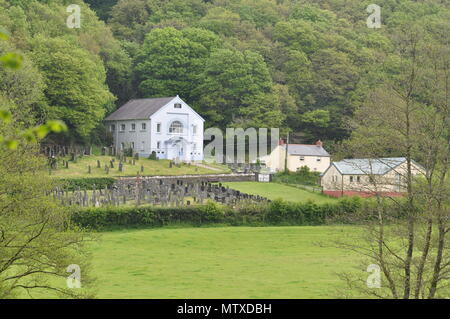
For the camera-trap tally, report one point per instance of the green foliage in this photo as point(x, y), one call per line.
point(302, 176)
point(171, 61)
point(11, 60)
point(278, 212)
point(76, 90)
point(153, 156)
point(237, 88)
point(102, 7)
point(86, 183)
point(302, 66)
point(38, 241)
point(128, 152)
point(14, 61)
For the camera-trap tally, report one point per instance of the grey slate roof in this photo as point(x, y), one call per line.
point(363, 166)
point(139, 109)
point(307, 150)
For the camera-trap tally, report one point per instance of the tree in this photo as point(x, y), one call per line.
point(24, 96)
point(37, 239)
point(409, 116)
point(75, 81)
point(236, 89)
point(171, 61)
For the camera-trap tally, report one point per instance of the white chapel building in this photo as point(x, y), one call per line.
point(167, 126)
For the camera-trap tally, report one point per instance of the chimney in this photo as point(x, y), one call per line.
point(319, 143)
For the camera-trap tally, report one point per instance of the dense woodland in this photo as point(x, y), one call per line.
point(301, 65)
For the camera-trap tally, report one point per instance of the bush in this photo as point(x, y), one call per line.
point(278, 212)
point(303, 176)
point(88, 183)
point(153, 156)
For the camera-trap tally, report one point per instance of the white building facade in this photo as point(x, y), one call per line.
point(168, 126)
point(315, 157)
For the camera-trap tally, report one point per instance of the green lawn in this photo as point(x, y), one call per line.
point(274, 191)
point(228, 262)
point(160, 167)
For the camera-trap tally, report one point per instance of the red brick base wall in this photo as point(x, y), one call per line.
point(361, 194)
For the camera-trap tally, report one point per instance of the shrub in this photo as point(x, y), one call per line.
point(153, 156)
point(302, 176)
point(87, 183)
point(128, 152)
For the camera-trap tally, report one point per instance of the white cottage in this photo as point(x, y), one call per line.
point(167, 126)
point(315, 157)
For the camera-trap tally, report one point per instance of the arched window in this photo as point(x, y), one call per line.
point(176, 127)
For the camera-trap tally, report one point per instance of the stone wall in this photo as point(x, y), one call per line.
point(212, 178)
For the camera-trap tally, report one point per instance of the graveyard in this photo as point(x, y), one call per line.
point(160, 192)
point(108, 166)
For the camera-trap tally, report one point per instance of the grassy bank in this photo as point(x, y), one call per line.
point(274, 191)
point(225, 262)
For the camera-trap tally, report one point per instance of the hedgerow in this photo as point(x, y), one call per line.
point(278, 212)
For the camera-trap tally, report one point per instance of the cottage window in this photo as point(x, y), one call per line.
point(132, 145)
point(158, 128)
point(158, 145)
point(351, 179)
point(176, 127)
point(177, 105)
point(122, 146)
point(133, 127)
point(122, 127)
point(113, 128)
point(144, 126)
point(358, 179)
point(142, 146)
point(302, 158)
point(319, 159)
point(194, 129)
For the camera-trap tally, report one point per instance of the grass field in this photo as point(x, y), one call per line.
point(274, 191)
point(228, 262)
point(160, 167)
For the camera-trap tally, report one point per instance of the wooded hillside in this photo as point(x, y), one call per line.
point(299, 65)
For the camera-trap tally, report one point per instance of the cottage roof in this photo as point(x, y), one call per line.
point(307, 150)
point(364, 166)
point(139, 109)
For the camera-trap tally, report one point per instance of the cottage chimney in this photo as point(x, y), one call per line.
point(319, 143)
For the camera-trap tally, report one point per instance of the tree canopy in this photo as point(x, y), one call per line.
point(302, 66)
